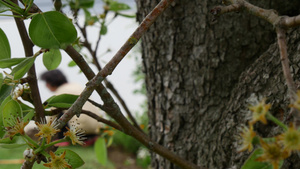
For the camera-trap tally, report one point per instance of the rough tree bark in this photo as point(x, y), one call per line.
point(200, 75)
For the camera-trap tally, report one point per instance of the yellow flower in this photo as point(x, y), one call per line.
point(16, 127)
point(58, 162)
point(247, 135)
point(260, 111)
point(47, 130)
point(296, 104)
point(75, 134)
point(273, 153)
point(290, 139)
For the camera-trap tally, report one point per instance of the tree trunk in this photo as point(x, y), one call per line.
point(200, 76)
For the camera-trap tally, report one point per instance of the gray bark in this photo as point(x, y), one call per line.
point(200, 75)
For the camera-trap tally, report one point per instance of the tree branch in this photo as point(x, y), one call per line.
point(281, 23)
point(281, 40)
point(32, 80)
point(110, 106)
point(108, 84)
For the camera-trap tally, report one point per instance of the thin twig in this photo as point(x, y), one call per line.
point(108, 84)
point(96, 104)
point(281, 40)
point(102, 120)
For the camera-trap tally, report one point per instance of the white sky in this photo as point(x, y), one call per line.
point(118, 32)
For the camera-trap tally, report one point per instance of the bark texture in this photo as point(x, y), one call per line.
point(201, 75)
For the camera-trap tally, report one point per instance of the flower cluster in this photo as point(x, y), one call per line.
point(275, 149)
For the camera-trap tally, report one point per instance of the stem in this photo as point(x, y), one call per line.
point(28, 7)
point(276, 121)
point(30, 140)
point(54, 142)
point(41, 148)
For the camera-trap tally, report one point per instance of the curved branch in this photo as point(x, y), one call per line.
point(102, 120)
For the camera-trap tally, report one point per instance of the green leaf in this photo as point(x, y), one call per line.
point(3, 8)
point(4, 92)
point(3, 103)
point(117, 6)
point(71, 157)
point(52, 30)
point(10, 111)
point(251, 162)
point(12, 146)
point(26, 107)
point(26, 2)
point(28, 116)
point(6, 140)
point(7, 63)
point(4, 45)
point(21, 69)
point(127, 16)
point(86, 3)
point(100, 150)
point(16, 142)
point(110, 141)
point(72, 63)
point(103, 30)
point(62, 101)
point(52, 59)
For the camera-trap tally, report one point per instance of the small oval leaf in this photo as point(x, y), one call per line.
point(3, 103)
point(100, 150)
point(52, 30)
point(103, 30)
point(11, 110)
point(86, 3)
point(4, 46)
point(52, 59)
point(117, 6)
point(71, 157)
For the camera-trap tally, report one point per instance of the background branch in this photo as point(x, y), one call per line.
point(108, 84)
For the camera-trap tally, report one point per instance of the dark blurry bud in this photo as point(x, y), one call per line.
point(57, 5)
